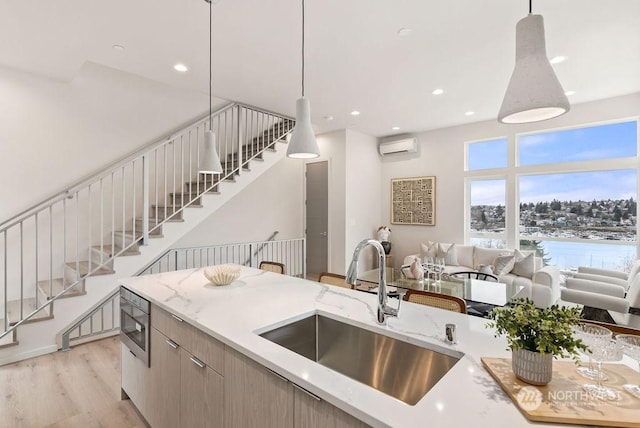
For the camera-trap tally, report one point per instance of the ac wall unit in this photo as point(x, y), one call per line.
point(408, 145)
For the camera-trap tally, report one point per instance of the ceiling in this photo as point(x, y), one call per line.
point(355, 59)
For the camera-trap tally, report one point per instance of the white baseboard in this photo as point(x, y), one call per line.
point(29, 354)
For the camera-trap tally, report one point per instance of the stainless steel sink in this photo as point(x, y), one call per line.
point(400, 369)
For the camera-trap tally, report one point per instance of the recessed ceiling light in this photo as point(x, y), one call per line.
point(180, 67)
point(118, 48)
point(404, 32)
point(328, 118)
point(569, 93)
point(557, 59)
point(355, 113)
point(469, 113)
point(438, 91)
point(396, 128)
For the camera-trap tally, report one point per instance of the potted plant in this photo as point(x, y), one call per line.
point(536, 336)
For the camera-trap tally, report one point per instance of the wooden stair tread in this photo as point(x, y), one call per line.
point(57, 286)
point(85, 268)
point(177, 207)
point(28, 306)
point(109, 251)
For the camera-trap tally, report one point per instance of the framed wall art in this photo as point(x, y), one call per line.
point(413, 201)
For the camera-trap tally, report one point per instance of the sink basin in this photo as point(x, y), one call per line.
point(399, 369)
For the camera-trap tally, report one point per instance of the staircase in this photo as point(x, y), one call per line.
point(70, 249)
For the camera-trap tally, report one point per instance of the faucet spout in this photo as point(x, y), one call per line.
point(384, 310)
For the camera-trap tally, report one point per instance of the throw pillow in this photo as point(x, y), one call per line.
point(448, 254)
point(502, 265)
point(430, 249)
point(524, 265)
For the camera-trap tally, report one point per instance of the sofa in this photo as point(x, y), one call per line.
point(540, 283)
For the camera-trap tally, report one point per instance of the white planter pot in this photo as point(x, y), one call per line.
point(532, 367)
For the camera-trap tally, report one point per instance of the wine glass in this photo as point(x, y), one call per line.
point(428, 263)
point(593, 336)
point(611, 351)
point(631, 347)
point(440, 265)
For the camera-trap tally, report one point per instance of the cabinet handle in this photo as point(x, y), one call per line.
point(171, 343)
point(277, 375)
point(177, 318)
point(131, 352)
point(310, 394)
point(198, 363)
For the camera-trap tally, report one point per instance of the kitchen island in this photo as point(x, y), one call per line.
point(235, 315)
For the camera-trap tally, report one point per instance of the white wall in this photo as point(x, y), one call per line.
point(363, 207)
point(54, 133)
point(354, 194)
point(272, 202)
point(442, 155)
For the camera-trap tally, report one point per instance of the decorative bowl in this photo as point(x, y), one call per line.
point(222, 274)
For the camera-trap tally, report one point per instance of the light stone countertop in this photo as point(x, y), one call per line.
point(259, 301)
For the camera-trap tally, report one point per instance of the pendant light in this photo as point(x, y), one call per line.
point(303, 143)
point(210, 160)
point(534, 92)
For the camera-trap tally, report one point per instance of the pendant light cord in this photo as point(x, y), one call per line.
point(303, 48)
point(210, 38)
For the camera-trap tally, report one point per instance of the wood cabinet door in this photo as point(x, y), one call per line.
point(254, 396)
point(311, 412)
point(201, 394)
point(163, 400)
point(134, 379)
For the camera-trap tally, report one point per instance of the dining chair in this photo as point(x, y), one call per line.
point(272, 267)
point(334, 279)
point(436, 300)
point(475, 275)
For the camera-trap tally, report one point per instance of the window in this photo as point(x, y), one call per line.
point(487, 154)
point(575, 194)
point(597, 205)
point(487, 205)
point(487, 212)
point(615, 140)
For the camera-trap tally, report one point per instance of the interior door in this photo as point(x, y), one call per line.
point(317, 217)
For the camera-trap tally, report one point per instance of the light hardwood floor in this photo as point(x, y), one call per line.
point(78, 388)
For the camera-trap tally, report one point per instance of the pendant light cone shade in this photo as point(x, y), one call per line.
point(303, 143)
point(210, 160)
point(534, 92)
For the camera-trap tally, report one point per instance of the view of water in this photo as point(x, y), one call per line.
point(566, 255)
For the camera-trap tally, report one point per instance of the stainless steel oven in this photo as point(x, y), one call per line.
point(134, 324)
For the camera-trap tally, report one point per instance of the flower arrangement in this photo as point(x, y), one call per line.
point(383, 233)
point(547, 331)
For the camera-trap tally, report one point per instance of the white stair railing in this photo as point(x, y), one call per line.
point(48, 250)
point(104, 319)
point(290, 252)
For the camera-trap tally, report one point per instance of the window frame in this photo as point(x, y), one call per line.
point(513, 171)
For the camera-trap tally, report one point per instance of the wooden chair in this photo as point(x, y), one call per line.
point(272, 267)
point(436, 300)
point(334, 279)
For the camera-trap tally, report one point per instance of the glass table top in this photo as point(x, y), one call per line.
point(471, 290)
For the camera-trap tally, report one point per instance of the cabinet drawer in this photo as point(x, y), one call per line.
point(170, 325)
point(207, 349)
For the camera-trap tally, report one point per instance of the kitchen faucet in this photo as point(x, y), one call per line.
point(384, 310)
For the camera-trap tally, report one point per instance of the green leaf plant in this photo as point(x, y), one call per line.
point(548, 331)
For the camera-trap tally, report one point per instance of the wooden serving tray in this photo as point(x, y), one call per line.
point(563, 399)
